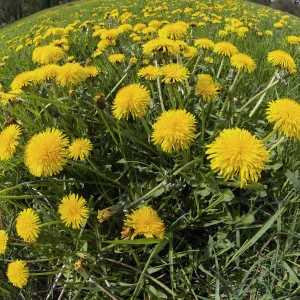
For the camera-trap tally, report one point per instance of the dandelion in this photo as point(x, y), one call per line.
point(278, 25)
point(174, 31)
point(8, 138)
point(103, 215)
point(208, 59)
point(161, 45)
point(71, 74)
point(207, 88)
point(18, 273)
point(131, 100)
point(204, 43)
point(174, 73)
point(3, 241)
point(269, 32)
point(190, 52)
point(243, 62)
point(116, 58)
point(286, 115)
point(145, 221)
point(91, 71)
point(46, 73)
point(292, 39)
point(47, 54)
point(22, 80)
point(237, 153)
point(225, 49)
point(174, 130)
point(73, 211)
point(28, 225)
point(78, 265)
point(80, 149)
point(46, 153)
point(150, 72)
point(279, 58)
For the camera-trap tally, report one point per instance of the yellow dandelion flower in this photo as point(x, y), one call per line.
point(78, 265)
point(91, 71)
point(18, 273)
point(73, 211)
point(174, 73)
point(191, 52)
point(150, 72)
point(269, 32)
point(278, 25)
point(174, 130)
point(243, 61)
point(46, 73)
point(131, 100)
point(292, 39)
point(110, 34)
point(133, 60)
point(103, 44)
point(204, 43)
point(206, 88)
point(225, 49)
point(8, 138)
point(3, 241)
point(161, 45)
point(208, 59)
point(6, 98)
point(103, 215)
point(23, 80)
point(237, 153)
point(116, 58)
point(174, 31)
point(28, 225)
point(222, 33)
point(286, 115)
point(19, 48)
point(145, 221)
point(139, 27)
point(80, 149)
point(71, 74)
point(46, 153)
point(279, 58)
point(47, 54)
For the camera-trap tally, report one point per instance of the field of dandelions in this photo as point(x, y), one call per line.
point(150, 150)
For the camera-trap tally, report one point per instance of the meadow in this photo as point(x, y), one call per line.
point(150, 150)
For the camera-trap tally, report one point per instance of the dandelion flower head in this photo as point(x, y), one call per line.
point(236, 152)
point(145, 221)
point(174, 130)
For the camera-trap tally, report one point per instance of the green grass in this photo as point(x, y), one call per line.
point(222, 241)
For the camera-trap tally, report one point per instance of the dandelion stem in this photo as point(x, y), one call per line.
point(172, 98)
point(221, 66)
point(250, 186)
point(196, 65)
point(45, 273)
point(145, 124)
point(277, 144)
point(259, 102)
point(116, 86)
point(21, 197)
point(265, 139)
point(50, 223)
point(235, 80)
point(270, 85)
point(160, 95)
point(163, 183)
point(203, 120)
point(159, 90)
